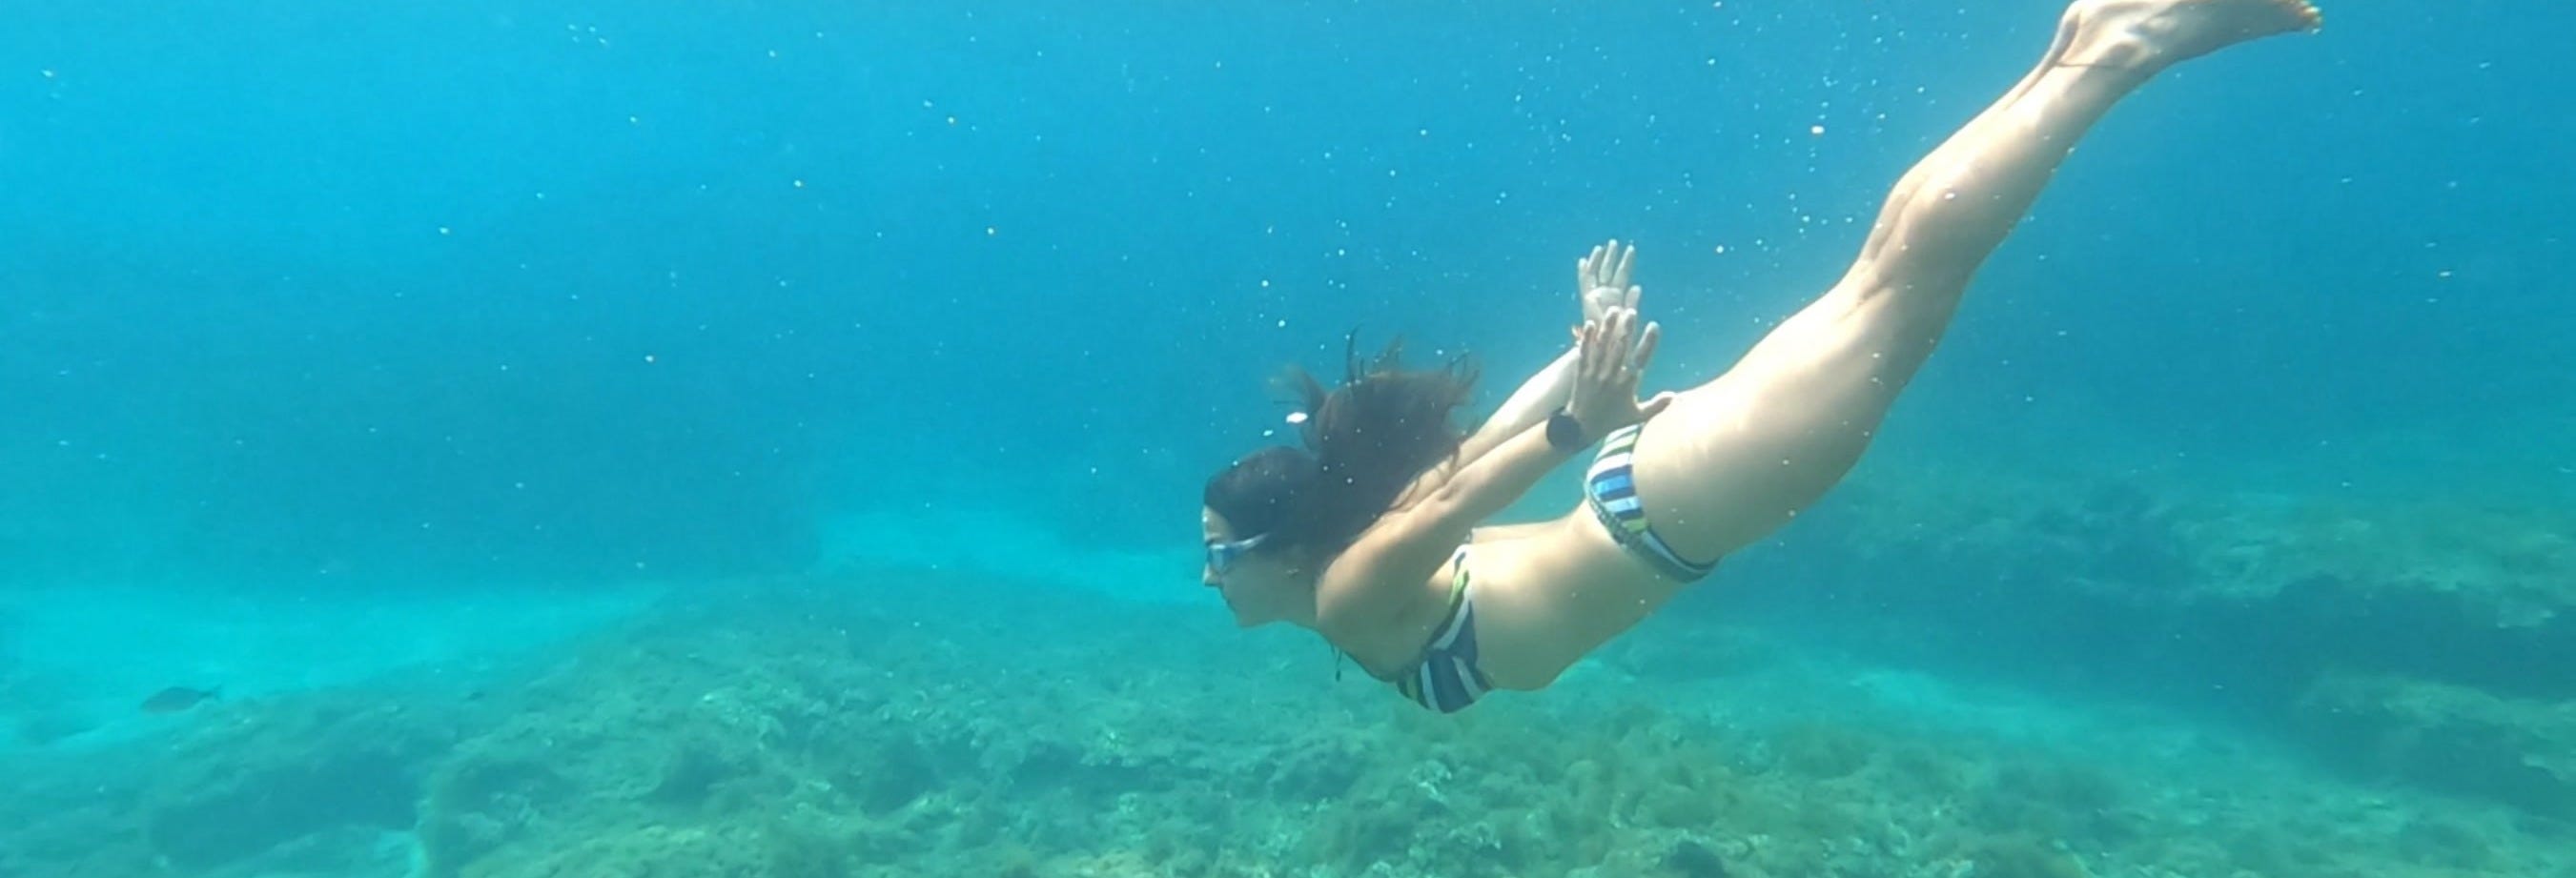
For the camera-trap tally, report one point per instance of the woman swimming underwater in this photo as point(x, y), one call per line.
point(1363, 535)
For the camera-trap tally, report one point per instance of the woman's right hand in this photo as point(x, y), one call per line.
point(1612, 355)
point(1601, 280)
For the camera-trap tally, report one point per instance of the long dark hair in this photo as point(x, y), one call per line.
point(1364, 442)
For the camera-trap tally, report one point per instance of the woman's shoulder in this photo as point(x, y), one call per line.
point(1386, 587)
point(1387, 637)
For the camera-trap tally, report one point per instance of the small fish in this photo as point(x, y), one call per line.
point(179, 698)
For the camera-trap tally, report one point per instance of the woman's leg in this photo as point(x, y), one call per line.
point(1735, 458)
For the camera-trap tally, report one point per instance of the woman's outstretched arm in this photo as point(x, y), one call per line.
point(1404, 548)
point(1601, 284)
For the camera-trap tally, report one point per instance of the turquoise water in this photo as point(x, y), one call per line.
point(442, 356)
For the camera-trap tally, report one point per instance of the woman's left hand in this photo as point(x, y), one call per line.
point(1611, 359)
point(1601, 280)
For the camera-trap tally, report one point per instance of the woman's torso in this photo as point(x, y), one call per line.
point(1548, 594)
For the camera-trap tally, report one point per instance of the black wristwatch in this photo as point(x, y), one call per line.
point(1564, 433)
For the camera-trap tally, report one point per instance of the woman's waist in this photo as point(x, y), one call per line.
point(1547, 598)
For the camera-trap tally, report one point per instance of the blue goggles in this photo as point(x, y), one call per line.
point(1222, 555)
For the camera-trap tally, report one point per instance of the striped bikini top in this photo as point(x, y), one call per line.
point(1446, 677)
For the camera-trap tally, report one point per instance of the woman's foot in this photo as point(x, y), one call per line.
point(2149, 35)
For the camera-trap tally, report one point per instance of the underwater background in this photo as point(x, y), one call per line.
point(491, 439)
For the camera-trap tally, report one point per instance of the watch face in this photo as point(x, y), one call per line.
point(1563, 431)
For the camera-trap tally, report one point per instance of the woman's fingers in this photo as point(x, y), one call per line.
point(1608, 265)
point(1607, 341)
point(1582, 349)
point(1601, 351)
point(1646, 347)
point(1614, 353)
point(1598, 357)
point(1657, 405)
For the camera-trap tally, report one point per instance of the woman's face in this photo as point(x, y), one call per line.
point(1258, 586)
